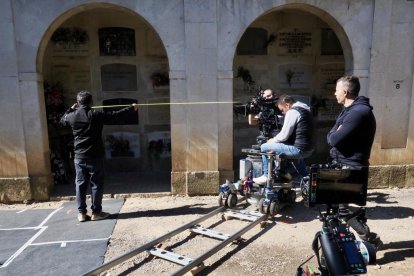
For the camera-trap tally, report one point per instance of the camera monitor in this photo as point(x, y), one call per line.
point(336, 186)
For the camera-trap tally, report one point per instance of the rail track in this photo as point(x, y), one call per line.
point(154, 248)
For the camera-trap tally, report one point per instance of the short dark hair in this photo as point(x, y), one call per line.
point(84, 98)
point(285, 99)
point(352, 83)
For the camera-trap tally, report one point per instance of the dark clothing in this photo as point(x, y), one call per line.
point(351, 139)
point(89, 170)
point(351, 144)
point(87, 125)
point(301, 137)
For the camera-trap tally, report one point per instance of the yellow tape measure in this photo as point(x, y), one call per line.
point(155, 104)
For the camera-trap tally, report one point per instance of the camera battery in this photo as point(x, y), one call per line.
point(245, 168)
point(251, 167)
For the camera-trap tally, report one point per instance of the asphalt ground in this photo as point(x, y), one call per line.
point(52, 241)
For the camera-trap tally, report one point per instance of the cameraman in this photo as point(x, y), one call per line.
point(295, 138)
point(351, 139)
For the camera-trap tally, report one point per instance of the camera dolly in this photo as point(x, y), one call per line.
point(269, 197)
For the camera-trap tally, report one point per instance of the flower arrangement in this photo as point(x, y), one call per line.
point(289, 76)
point(70, 35)
point(119, 146)
point(55, 107)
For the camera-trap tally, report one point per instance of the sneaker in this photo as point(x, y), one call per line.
point(100, 215)
point(260, 180)
point(375, 240)
point(82, 217)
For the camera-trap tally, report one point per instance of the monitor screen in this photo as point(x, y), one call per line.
point(336, 186)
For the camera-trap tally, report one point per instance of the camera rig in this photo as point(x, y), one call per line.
point(266, 113)
point(341, 254)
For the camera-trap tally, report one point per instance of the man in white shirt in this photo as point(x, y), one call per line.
point(294, 141)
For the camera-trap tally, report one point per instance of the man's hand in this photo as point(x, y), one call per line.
point(135, 106)
point(271, 140)
point(74, 106)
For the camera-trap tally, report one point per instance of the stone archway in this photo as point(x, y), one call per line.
point(299, 39)
point(120, 58)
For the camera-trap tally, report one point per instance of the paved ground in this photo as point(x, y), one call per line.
point(277, 249)
point(38, 241)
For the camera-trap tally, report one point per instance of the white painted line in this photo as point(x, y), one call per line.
point(20, 228)
point(49, 216)
point(18, 252)
point(21, 211)
point(65, 242)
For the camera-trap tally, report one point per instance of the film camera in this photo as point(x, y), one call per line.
point(267, 114)
point(341, 254)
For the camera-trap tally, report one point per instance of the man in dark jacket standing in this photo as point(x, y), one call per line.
point(87, 125)
point(351, 139)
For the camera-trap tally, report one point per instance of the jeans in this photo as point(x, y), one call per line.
point(89, 171)
point(291, 152)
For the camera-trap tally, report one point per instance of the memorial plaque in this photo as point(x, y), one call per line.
point(329, 74)
point(130, 118)
point(116, 41)
point(122, 144)
point(70, 42)
point(119, 77)
point(295, 42)
point(330, 44)
point(294, 76)
point(80, 78)
point(330, 110)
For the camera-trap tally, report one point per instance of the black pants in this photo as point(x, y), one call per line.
point(358, 223)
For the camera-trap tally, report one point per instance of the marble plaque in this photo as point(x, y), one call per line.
point(70, 42)
point(294, 42)
point(294, 76)
point(330, 110)
point(329, 73)
point(119, 77)
point(80, 78)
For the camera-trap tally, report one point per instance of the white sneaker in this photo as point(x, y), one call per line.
point(260, 180)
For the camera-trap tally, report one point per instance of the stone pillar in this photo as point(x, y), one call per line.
point(14, 181)
point(36, 134)
point(195, 162)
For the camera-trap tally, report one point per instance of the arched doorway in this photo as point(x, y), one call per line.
point(121, 59)
point(295, 50)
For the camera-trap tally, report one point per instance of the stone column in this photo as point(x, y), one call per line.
point(195, 162)
point(36, 134)
point(14, 180)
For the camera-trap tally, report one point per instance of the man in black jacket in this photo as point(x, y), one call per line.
point(87, 125)
point(351, 139)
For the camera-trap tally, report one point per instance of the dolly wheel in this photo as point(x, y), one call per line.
point(231, 200)
point(221, 199)
point(263, 208)
point(274, 208)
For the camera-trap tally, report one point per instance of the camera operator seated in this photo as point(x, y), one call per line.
point(351, 139)
point(294, 140)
